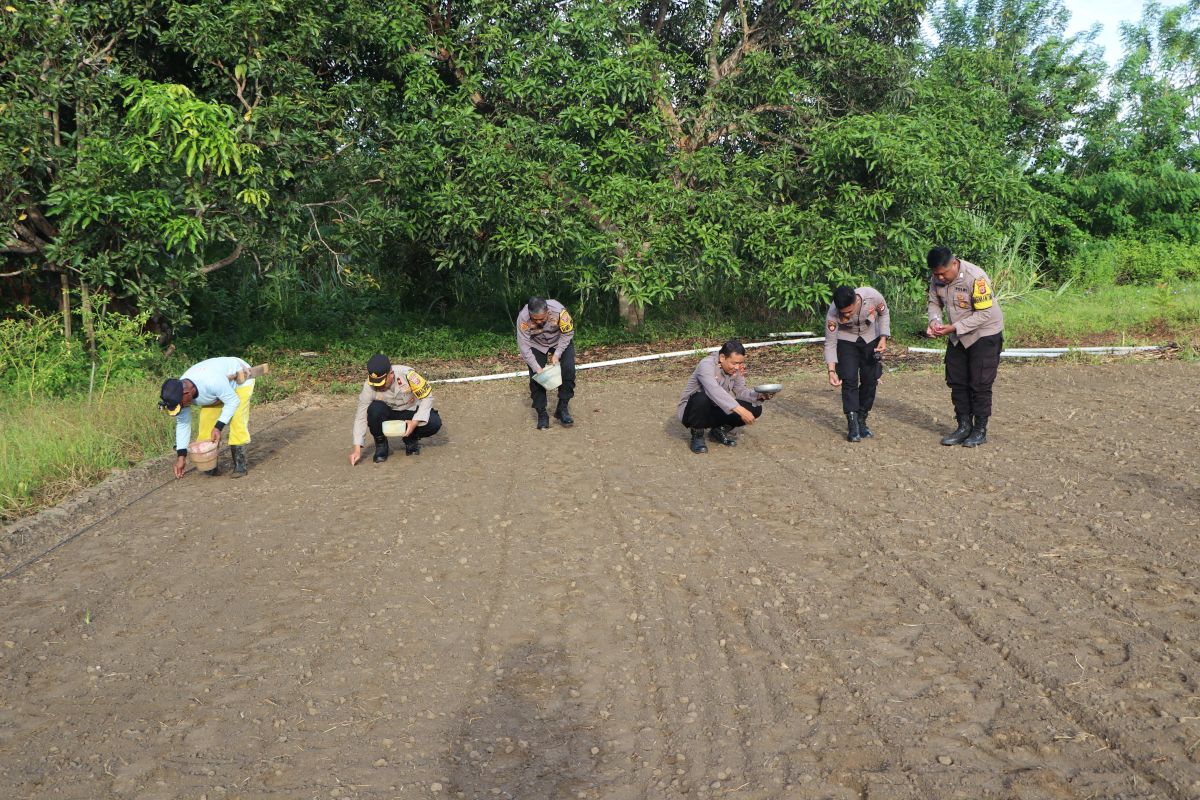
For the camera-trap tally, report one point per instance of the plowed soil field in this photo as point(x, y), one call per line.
point(596, 612)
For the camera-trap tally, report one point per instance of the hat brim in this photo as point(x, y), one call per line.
point(173, 411)
point(377, 382)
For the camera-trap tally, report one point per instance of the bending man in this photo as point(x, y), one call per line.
point(544, 335)
point(220, 388)
point(857, 328)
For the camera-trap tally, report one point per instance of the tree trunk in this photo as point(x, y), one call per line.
point(89, 322)
point(631, 312)
point(64, 283)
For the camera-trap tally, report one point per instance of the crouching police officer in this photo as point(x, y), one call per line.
point(545, 332)
point(857, 328)
point(393, 392)
point(716, 397)
point(221, 389)
point(976, 332)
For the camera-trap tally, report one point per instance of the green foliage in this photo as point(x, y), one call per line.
point(1107, 315)
point(36, 362)
point(293, 160)
point(1131, 261)
point(50, 448)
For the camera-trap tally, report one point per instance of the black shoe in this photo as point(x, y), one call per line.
point(214, 472)
point(961, 433)
point(853, 434)
point(720, 435)
point(978, 433)
point(543, 420)
point(381, 449)
point(698, 445)
point(412, 448)
point(563, 414)
point(863, 430)
point(238, 451)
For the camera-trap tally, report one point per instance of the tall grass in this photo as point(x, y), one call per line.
point(1121, 314)
point(51, 448)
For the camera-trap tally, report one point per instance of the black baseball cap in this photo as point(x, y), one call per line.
point(171, 396)
point(377, 370)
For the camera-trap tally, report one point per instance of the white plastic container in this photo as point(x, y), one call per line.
point(550, 377)
point(395, 427)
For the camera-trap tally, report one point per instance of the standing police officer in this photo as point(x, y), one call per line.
point(544, 333)
point(976, 332)
point(393, 391)
point(857, 328)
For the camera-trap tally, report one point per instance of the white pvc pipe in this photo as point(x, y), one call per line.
point(1102, 350)
point(633, 359)
point(1051, 352)
point(790, 333)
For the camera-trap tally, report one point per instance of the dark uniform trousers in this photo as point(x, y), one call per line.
point(702, 412)
point(859, 370)
point(566, 389)
point(380, 412)
point(970, 372)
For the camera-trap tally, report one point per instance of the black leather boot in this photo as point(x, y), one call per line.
point(238, 451)
point(698, 445)
point(381, 449)
point(978, 433)
point(543, 420)
point(720, 435)
point(215, 471)
point(412, 446)
point(863, 430)
point(853, 434)
point(961, 433)
point(563, 413)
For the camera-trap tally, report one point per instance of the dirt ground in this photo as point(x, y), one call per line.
point(598, 613)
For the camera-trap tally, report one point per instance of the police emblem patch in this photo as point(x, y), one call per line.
point(565, 324)
point(832, 326)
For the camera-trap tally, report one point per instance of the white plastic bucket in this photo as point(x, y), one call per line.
point(550, 377)
point(203, 454)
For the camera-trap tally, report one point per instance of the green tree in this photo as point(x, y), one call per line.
point(112, 179)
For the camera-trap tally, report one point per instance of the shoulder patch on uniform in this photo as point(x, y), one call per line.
point(420, 387)
point(565, 323)
point(832, 326)
point(981, 295)
point(524, 326)
point(881, 308)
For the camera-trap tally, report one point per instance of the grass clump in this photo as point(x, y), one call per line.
point(52, 448)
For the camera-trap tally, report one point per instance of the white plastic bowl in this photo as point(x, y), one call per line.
point(550, 377)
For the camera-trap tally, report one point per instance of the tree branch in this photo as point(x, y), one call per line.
point(714, 38)
point(224, 262)
point(19, 247)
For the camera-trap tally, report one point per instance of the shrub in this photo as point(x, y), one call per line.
point(36, 360)
point(1130, 261)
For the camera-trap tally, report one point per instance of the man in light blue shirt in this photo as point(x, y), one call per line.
point(221, 389)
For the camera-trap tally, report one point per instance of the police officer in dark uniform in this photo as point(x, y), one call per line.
point(976, 330)
point(857, 328)
point(545, 334)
